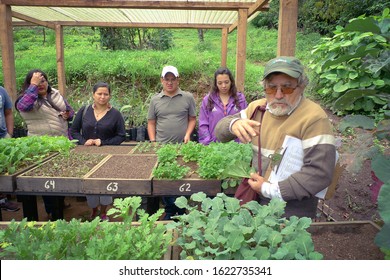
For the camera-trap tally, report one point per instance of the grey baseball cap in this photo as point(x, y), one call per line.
point(285, 64)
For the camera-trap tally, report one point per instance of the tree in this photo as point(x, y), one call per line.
point(113, 38)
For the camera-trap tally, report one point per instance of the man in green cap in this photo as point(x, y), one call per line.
point(289, 125)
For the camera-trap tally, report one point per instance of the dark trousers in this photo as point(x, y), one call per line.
point(170, 208)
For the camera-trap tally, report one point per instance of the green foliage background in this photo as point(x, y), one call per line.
point(135, 73)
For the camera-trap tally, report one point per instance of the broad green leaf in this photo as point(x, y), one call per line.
point(181, 202)
point(280, 254)
point(304, 244)
point(340, 87)
point(274, 238)
point(231, 226)
point(315, 256)
point(262, 253)
point(363, 25)
point(379, 83)
point(353, 75)
point(212, 237)
point(356, 121)
point(381, 166)
point(383, 202)
point(247, 253)
point(382, 238)
point(232, 204)
point(261, 234)
point(235, 240)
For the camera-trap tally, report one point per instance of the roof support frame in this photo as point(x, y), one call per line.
point(286, 35)
point(7, 47)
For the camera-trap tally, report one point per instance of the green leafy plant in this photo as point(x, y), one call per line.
point(16, 153)
point(353, 66)
point(214, 161)
point(167, 153)
point(236, 172)
point(220, 229)
point(191, 151)
point(218, 158)
point(147, 147)
point(95, 240)
point(170, 170)
point(381, 165)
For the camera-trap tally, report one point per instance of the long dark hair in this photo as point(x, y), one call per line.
point(214, 90)
point(40, 100)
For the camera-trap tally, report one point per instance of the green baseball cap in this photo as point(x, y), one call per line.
point(285, 64)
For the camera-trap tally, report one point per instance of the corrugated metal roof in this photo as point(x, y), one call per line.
point(197, 12)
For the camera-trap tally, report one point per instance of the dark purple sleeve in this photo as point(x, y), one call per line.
point(26, 101)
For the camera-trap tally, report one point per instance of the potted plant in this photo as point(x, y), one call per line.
point(20, 127)
point(135, 115)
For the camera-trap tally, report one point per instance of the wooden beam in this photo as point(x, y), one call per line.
point(7, 50)
point(60, 59)
point(137, 4)
point(260, 5)
point(142, 25)
point(224, 46)
point(288, 25)
point(33, 20)
point(241, 49)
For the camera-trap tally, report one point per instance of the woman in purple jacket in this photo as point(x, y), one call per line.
point(223, 100)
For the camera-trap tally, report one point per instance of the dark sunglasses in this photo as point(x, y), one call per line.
point(284, 89)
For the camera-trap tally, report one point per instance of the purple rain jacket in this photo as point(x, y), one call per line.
point(209, 119)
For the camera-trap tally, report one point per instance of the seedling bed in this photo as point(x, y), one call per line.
point(122, 174)
point(61, 174)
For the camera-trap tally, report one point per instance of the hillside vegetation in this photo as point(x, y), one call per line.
point(134, 74)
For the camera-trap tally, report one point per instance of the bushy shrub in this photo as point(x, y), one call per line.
point(352, 67)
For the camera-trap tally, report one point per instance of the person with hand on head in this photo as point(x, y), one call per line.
point(222, 101)
point(171, 119)
point(97, 125)
point(286, 112)
point(6, 131)
point(46, 112)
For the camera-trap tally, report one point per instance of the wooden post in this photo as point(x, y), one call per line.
point(241, 49)
point(60, 59)
point(7, 47)
point(287, 31)
point(224, 47)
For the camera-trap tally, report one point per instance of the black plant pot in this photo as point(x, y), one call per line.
point(20, 132)
point(133, 134)
point(141, 133)
point(194, 136)
point(128, 136)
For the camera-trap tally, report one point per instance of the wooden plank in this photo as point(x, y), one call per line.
point(60, 59)
point(145, 4)
point(224, 47)
point(114, 186)
point(287, 28)
point(143, 25)
point(185, 187)
point(241, 49)
point(57, 185)
point(7, 51)
point(8, 182)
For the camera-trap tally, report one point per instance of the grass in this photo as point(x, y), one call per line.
point(136, 73)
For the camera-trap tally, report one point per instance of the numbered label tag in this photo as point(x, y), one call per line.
point(50, 184)
point(186, 187)
point(112, 187)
